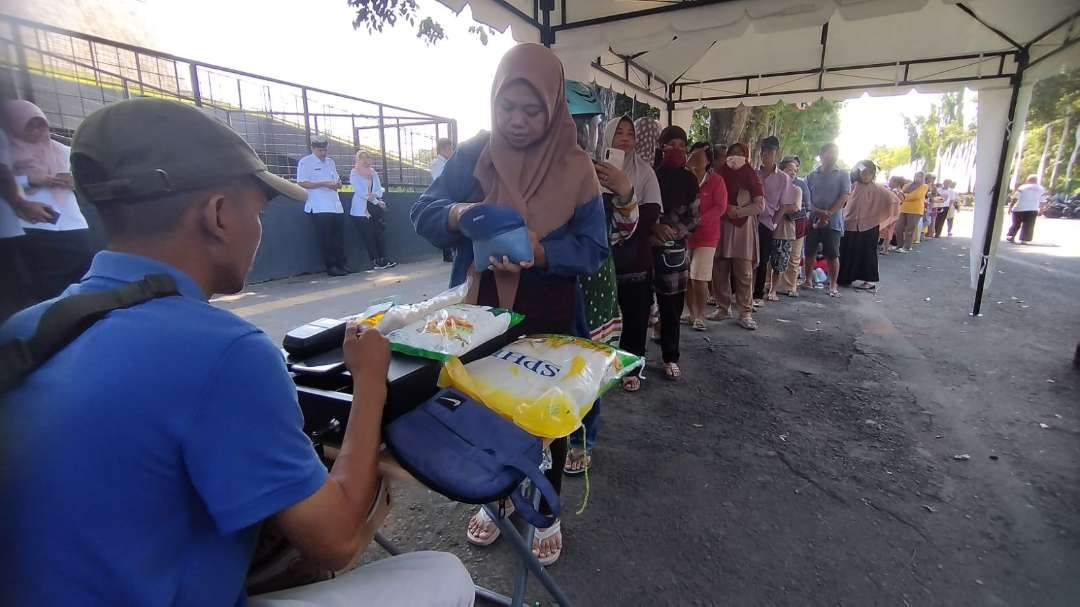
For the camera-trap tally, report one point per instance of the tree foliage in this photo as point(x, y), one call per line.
point(890, 157)
point(943, 126)
point(374, 15)
point(801, 130)
point(1055, 103)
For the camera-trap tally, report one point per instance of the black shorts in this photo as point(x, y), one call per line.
point(829, 239)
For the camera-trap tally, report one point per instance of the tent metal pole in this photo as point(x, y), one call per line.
point(996, 190)
point(547, 34)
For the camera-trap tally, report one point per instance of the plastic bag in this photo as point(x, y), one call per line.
point(452, 331)
point(399, 316)
point(543, 383)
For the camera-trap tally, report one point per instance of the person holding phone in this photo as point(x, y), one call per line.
point(368, 210)
point(530, 162)
point(317, 173)
point(57, 248)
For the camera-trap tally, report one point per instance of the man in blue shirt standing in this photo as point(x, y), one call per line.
point(140, 460)
point(829, 190)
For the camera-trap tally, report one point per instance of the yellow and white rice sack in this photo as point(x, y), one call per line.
point(544, 383)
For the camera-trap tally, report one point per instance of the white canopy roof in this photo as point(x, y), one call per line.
point(685, 54)
point(720, 53)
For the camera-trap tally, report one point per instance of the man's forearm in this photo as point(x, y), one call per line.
point(356, 466)
point(839, 204)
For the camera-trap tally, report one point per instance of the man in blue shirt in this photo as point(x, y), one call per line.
point(829, 190)
point(140, 460)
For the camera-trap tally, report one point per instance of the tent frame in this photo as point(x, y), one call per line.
point(1019, 53)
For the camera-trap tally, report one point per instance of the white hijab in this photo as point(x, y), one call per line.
point(641, 174)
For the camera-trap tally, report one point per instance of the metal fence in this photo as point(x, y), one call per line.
point(69, 75)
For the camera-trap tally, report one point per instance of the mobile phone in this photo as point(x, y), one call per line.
point(54, 215)
point(614, 157)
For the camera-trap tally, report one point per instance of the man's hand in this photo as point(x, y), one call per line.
point(334, 185)
point(453, 218)
point(34, 212)
point(367, 353)
point(62, 181)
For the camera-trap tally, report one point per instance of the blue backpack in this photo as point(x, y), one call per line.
point(467, 452)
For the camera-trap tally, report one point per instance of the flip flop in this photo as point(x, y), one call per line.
point(508, 508)
point(834, 292)
point(866, 287)
point(672, 371)
point(586, 459)
point(543, 534)
point(631, 383)
point(698, 324)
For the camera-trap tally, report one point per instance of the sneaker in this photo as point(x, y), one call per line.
point(348, 270)
point(336, 272)
point(390, 263)
point(381, 265)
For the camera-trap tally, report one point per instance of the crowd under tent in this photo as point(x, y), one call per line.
point(690, 54)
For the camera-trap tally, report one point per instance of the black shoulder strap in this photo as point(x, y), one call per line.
point(67, 319)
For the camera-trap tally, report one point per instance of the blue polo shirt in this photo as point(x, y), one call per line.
point(825, 188)
point(139, 461)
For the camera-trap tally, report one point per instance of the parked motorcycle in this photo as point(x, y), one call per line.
point(1061, 207)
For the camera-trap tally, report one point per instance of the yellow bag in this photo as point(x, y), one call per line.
point(545, 384)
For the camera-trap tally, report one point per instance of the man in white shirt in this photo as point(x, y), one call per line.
point(1025, 208)
point(946, 197)
point(318, 174)
point(444, 150)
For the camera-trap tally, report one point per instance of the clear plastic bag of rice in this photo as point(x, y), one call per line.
point(545, 384)
point(452, 331)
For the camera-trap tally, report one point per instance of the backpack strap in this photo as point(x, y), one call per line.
point(547, 492)
point(68, 318)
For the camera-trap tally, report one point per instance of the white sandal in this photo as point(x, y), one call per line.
point(488, 522)
point(543, 534)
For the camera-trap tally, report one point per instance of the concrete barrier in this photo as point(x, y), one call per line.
point(289, 247)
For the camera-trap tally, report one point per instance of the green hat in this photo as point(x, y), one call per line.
point(141, 148)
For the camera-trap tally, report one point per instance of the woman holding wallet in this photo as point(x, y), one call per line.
point(531, 163)
point(737, 254)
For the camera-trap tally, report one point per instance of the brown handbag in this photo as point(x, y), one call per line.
point(278, 565)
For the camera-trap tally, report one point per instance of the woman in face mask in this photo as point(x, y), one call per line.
point(737, 253)
point(871, 205)
point(682, 213)
point(712, 195)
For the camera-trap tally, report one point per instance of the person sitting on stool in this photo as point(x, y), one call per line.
point(318, 174)
point(173, 426)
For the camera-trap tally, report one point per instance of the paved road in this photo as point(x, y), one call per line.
point(814, 462)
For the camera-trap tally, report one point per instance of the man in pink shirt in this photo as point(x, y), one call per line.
point(777, 194)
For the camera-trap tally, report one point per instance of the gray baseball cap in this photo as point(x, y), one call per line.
point(137, 149)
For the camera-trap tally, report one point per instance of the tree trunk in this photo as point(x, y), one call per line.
point(1072, 161)
point(728, 125)
point(1047, 134)
point(1061, 148)
point(1016, 161)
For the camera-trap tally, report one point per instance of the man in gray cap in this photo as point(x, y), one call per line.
point(317, 173)
point(172, 426)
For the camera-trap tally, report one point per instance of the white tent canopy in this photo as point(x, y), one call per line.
point(686, 54)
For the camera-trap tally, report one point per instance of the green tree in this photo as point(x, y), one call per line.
point(699, 126)
point(801, 130)
point(374, 15)
point(888, 158)
point(941, 127)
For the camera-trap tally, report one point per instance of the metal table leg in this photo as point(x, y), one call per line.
point(524, 550)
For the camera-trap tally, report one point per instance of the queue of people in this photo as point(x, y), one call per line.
point(670, 224)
